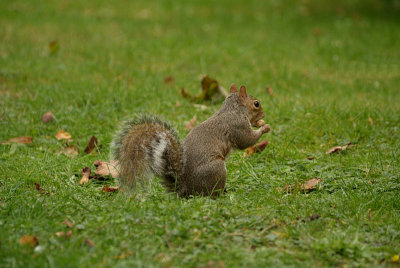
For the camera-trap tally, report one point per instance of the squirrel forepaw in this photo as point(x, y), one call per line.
point(265, 128)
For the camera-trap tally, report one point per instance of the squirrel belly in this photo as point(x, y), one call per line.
point(144, 146)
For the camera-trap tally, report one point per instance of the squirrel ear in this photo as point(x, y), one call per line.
point(242, 92)
point(233, 88)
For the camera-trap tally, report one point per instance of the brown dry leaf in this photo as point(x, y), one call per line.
point(169, 80)
point(106, 168)
point(29, 240)
point(47, 117)
point(337, 149)
point(89, 242)
point(259, 147)
point(62, 135)
point(68, 234)
point(109, 189)
point(63, 234)
point(68, 223)
point(70, 151)
point(54, 47)
point(191, 123)
point(185, 94)
point(310, 157)
point(287, 188)
point(60, 234)
point(20, 140)
point(310, 185)
point(124, 255)
point(39, 189)
point(316, 31)
point(93, 143)
point(210, 87)
point(85, 172)
point(314, 216)
point(213, 264)
point(269, 90)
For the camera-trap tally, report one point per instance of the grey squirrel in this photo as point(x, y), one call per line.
point(147, 145)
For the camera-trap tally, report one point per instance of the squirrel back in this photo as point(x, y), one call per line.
point(147, 145)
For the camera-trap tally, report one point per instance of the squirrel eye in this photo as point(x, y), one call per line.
point(256, 104)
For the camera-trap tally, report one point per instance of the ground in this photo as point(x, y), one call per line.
point(333, 69)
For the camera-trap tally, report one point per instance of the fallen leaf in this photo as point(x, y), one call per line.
point(68, 223)
point(124, 255)
point(178, 104)
point(70, 151)
point(106, 168)
point(85, 173)
point(269, 90)
point(337, 149)
point(68, 234)
point(213, 264)
point(257, 148)
point(39, 189)
point(20, 140)
point(209, 88)
point(185, 94)
point(191, 123)
point(395, 258)
point(62, 135)
point(109, 189)
point(54, 47)
point(29, 240)
point(314, 216)
point(370, 214)
point(89, 242)
point(310, 185)
point(310, 157)
point(47, 117)
point(60, 234)
point(316, 31)
point(93, 143)
point(169, 80)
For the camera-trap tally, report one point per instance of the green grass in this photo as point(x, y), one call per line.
point(335, 72)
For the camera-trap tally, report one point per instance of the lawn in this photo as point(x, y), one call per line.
point(334, 71)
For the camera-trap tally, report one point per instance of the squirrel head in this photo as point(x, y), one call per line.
point(252, 105)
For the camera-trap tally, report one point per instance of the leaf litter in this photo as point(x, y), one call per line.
point(39, 189)
point(20, 140)
point(338, 149)
point(210, 90)
point(63, 135)
point(47, 117)
point(28, 240)
point(191, 123)
point(106, 169)
point(70, 151)
point(308, 186)
point(257, 148)
point(85, 173)
point(93, 144)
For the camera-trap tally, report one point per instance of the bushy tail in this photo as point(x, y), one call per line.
point(147, 145)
